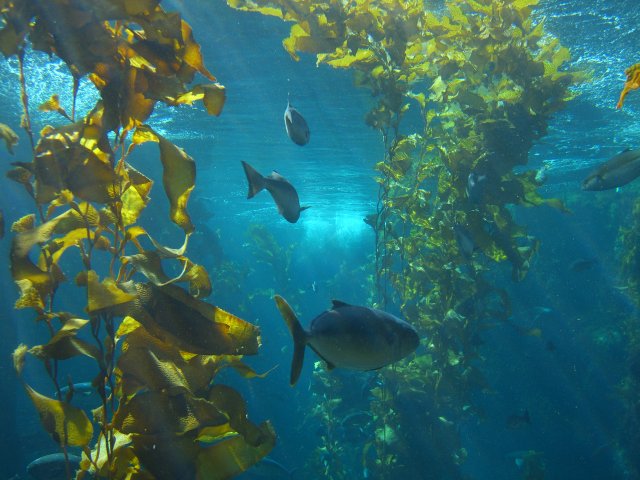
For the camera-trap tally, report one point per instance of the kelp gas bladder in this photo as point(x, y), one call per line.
point(156, 346)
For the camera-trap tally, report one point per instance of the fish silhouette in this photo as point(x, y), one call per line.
point(296, 126)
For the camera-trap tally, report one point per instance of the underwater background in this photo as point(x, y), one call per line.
point(558, 397)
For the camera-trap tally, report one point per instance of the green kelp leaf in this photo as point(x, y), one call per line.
point(66, 424)
point(64, 344)
point(231, 457)
point(167, 457)
point(9, 136)
point(174, 316)
point(104, 295)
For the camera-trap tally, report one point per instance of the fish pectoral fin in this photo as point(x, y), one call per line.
point(304, 208)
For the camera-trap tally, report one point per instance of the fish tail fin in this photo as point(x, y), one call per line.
point(256, 181)
point(298, 334)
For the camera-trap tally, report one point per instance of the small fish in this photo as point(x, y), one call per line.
point(348, 336)
point(465, 242)
point(296, 126)
point(518, 420)
point(314, 287)
point(476, 185)
point(616, 172)
point(52, 467)
point(583, 264)
point(281, 190)
point(83, 388)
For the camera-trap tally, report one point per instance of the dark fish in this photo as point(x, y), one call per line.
point(476, 185)
point(296, 126)
point(281, 190)
point(465, 242)
point(614, 173)
point(52, 467)
point(517, 420)
point(349, 336)
point(583, 264)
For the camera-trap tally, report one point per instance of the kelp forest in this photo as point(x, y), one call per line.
point(156, 346)
point(460, 92)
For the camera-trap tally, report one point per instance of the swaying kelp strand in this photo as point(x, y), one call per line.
point(485, 80)
point(156, 346)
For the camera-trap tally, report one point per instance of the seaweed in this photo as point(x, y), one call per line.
point(484, 78)
point(156, 346)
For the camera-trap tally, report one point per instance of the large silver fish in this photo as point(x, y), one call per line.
point(348, 336)
point(614, 173)
point(53, 467)
point(296, 126)
point(281, 190)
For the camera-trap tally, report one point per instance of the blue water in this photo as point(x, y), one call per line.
point(567, 379)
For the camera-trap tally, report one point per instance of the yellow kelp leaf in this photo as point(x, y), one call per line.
point(199, 281)
point(213, 96)
point(346, 60)
point(80, 215)
point(150, 265)
point(438, 88)
point(53, 105)
point(172, 315)
point(231, 457)
point(142, 368)
point(64, 344)
point(266, 8)
point(229, 401)
point(67, 425)
point(246, 371)
point(157, 413)
point(22, 267)
point(191, 54)
point(139, 181)
point(178, 178)
point(24, 224)
point(29, 296)
point(142, 134)
point(215, 433)
point(104, 295)
point(65, 197)
point(127, 326)
point(121, 454)
point(132, 205)
point(522, 4)
point(9, 136)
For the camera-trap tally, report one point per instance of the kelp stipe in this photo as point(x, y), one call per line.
point(153, 343)
point(485, 79)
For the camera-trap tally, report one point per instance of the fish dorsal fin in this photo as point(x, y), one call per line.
point(276, 176)
point(337, 304)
